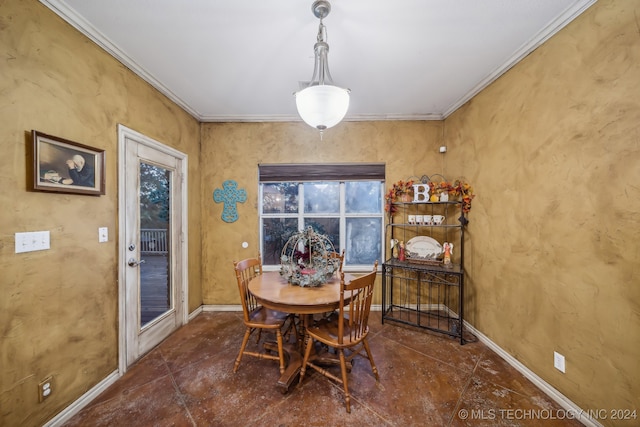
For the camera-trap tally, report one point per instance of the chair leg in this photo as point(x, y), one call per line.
point(307, 353)
point(245, 340)
point(343, 368)
point(280, 350)
point(370, 357)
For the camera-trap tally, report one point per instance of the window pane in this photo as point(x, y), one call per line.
point(275, 233)
point(330, 227)
point(363, 197)
point(322, 197)
point(280, 198)
point(363, 241)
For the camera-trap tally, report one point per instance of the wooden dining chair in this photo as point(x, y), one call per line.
point(348, 331)
point(257, 317)
point(337, 255)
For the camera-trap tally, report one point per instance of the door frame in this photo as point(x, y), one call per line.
point(181, 243)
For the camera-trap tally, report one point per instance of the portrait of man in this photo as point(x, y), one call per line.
point(80, 172)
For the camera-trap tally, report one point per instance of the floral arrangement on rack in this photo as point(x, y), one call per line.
point(305, 259)
point(458, 189)
point(400, 191)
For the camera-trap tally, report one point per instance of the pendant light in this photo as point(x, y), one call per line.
point(321, 104)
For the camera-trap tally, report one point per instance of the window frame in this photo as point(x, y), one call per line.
point(342, 215)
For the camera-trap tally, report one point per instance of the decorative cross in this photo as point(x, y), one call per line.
point(229, 195)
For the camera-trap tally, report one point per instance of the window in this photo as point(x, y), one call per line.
point(346, 205)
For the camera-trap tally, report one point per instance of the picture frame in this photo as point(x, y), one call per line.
point(63, 166)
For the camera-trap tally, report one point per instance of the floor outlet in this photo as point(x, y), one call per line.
point(558, 361)
point(44, 388)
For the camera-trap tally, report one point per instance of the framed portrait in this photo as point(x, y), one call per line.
point(63, 166)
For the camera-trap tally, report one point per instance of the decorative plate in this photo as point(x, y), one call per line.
point(423, 247)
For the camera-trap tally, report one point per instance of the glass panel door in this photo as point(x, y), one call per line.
point(153, 272)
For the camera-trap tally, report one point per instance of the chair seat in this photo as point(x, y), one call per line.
point(265, 318)
point(326, 331)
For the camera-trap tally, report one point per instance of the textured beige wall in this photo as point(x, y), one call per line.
point(59, 308)
point(234, 150)
point(553, 149)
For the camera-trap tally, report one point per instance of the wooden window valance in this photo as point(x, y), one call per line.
point(301, 172)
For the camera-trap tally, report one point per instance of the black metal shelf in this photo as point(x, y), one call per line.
point(428, 295)
point(408, 265)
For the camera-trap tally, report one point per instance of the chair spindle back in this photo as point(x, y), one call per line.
point(245, 271)
point(360, 292)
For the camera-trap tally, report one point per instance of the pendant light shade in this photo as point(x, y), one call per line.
point(321, 104)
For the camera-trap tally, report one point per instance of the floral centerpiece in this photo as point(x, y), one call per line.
point(305, 259)
point(401, 191)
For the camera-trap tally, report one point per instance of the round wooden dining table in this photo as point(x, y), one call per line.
point(274, 292)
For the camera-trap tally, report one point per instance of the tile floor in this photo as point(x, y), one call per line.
point(425, 380)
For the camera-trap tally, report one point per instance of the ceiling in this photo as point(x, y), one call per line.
point(241, 60)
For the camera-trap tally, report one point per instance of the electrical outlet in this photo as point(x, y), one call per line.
point(45, 389)
point(558, 361)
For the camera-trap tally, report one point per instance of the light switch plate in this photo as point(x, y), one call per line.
point(32, 241)
point(558, 361)
point(103, 234)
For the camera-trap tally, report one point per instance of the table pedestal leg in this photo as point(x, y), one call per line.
point(293, 360)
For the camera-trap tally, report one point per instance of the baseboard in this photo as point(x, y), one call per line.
point(206, 308)
point(71, 410)
point(194, 313)
point(572, 410)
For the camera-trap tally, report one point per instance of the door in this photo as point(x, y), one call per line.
point(152, 198)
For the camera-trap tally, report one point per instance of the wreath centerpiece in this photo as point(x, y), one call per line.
point(305, 259)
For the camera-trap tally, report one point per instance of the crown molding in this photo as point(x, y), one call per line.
point(61, 9)
point(542, 36)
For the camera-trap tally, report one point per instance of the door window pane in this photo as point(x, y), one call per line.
point(155, 208)
point(363, 239)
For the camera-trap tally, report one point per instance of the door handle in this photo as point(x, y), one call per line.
point(133, 263)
